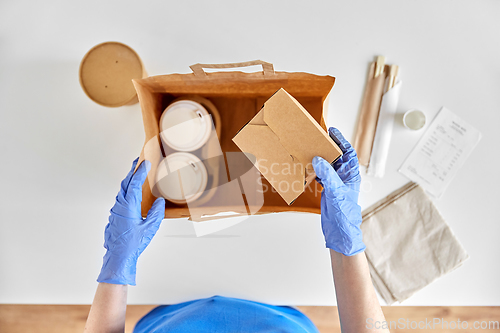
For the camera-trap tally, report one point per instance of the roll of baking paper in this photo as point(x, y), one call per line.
point(367, 122)
point(383, 133)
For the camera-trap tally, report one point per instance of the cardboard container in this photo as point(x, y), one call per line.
point(238, 97)
point(284, 139)
point(106, 74)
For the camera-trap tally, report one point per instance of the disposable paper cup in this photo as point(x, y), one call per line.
point(209, 106)
point(106, 74)
point(181, 178)
point(185, 125)
point(414, 119)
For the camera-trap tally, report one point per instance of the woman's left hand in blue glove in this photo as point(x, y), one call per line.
point(127, 233)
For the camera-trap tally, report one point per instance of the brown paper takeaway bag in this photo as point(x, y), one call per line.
point(238, 97)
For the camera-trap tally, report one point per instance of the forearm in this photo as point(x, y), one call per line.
point(356, 298)
point(107, 313)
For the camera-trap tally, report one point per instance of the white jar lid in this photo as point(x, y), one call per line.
point(185, 125)
point(181, 178)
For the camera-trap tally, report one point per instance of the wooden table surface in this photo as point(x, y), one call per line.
point(71, 318)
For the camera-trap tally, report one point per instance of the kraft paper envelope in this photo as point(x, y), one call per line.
point(284, 138)
point(408, 243)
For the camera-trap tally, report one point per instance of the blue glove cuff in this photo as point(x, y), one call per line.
point(116, 270)
point(348, 240)
point(341, 221)
point(346, 250)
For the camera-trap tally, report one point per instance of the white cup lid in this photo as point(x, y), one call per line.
point(181, 177)
point(185, 125)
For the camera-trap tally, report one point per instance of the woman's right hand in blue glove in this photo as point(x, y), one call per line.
point(340, 212)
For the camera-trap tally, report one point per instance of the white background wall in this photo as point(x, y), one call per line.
point(63, 156)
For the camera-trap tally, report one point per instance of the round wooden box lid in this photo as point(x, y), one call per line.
point(106, 74)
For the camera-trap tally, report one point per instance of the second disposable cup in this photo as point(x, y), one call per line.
point(181, 178)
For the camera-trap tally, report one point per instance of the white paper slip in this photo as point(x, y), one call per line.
point(439, 154)
point(383, 133)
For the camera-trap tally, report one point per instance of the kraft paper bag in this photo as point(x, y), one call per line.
point(238, 97)
point(408, 243)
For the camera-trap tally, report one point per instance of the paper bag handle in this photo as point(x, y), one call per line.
point(267, 67)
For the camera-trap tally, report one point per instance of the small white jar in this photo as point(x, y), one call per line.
point(185, 125)
point(181, 178)
point(414, 119)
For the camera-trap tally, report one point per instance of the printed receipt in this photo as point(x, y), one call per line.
point(441, 152)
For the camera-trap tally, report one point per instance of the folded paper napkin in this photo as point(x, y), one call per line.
point(408, 243)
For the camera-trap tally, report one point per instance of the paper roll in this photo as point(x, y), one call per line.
point(367, 122)
point(383, 134)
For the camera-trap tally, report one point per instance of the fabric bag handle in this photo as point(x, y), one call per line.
point(267, 67)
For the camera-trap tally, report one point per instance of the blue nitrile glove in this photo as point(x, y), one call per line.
point(340, 212)
point(127, 233)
